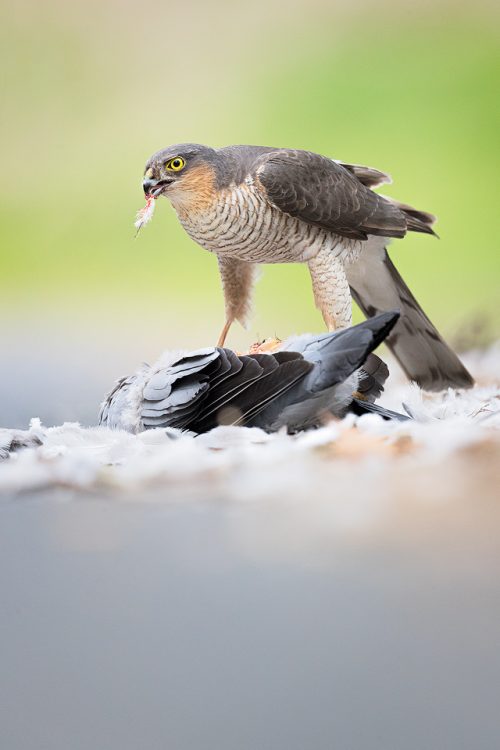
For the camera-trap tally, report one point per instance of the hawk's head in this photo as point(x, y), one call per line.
point(184, 173)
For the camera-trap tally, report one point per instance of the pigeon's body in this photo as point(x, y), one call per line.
point(294, 388)
point(251, 205)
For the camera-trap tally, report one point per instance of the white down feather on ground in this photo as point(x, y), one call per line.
point(452, 447)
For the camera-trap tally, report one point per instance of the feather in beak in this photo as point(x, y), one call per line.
point(145, 214)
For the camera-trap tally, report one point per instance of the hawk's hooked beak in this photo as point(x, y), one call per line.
point(154, 187)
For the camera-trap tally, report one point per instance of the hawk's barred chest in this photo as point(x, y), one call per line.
point(238, 222)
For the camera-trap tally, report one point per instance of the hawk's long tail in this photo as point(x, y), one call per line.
point(423, 354)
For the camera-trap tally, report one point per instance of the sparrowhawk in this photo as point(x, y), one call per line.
point(253, 204)
point(310, 376)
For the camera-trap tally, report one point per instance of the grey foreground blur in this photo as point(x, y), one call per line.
point(138, 624)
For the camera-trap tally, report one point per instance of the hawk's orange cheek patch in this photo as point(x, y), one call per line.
point(195, 191)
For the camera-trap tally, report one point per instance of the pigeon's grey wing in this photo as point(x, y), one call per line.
point(173, 393)
point(186, 393)
point(171, 387)
point(246, 399)
point(264, 391)
point(229, 364)
point(160, 383)
point(324, 193)
point(262, 379)
point(170, 395)
point(418, 347)
point(225, 393)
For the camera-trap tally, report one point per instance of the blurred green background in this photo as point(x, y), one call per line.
point(90, 89)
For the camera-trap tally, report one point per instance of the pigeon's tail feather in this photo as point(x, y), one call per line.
point(337, 355)
point(418, 347)
point(334, 360)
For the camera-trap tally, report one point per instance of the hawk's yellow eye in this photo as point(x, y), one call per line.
point(175, 164)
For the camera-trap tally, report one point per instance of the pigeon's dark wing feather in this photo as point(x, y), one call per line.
point(237, 393)
point(288, 374)
point(286, 356)
point(226, 393)
point(372, 377)
point(360, 408)
point(262, 378)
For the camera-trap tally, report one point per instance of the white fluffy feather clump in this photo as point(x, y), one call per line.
point(452, 446)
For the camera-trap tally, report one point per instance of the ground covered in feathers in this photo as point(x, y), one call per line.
point(451, 449)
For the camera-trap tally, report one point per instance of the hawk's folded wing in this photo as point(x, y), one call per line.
point(324, 193)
